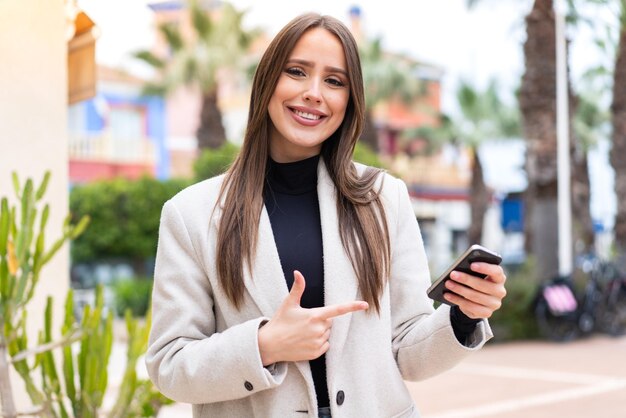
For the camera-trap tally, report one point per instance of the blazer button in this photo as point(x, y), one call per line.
point(248, 386)
point(340, 397)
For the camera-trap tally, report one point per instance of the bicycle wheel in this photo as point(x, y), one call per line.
point(613, 316)
point(555, 327)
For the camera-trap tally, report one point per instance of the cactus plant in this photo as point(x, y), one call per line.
point(78, 388)
point(23, 254)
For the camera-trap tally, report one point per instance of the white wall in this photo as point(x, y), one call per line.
point(33, 137)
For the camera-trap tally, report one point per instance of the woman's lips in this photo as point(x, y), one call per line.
point(306, 117)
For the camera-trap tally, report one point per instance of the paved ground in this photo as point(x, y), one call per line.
point(586, 378)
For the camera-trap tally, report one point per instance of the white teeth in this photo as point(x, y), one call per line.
point(306, 115)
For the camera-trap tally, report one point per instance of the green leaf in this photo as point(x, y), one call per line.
point(68, 358)
point(84, 346)
point(50, 369)
point(48, 320)
point(16, 185)
point(21, 243)
point(44, 185)
point(13, 226)
point(4, 284)
point(80, 228)
point(201, 21)
point(44, 218)
point(5, 222)
point(31, 229)
point(172, 36)
point(52, 251)
point(20, 300)
point(149, 58)
point(39, 250)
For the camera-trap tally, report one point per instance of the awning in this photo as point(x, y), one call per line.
point(81, 58)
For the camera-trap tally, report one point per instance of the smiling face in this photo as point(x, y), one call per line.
point(310, 98)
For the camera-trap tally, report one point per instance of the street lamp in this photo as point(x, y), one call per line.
point(562, 137)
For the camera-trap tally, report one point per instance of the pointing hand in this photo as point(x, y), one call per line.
point(295, 333)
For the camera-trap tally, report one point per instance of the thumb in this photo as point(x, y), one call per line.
point(297, 288)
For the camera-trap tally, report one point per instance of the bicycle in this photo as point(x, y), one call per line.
point(563, 315)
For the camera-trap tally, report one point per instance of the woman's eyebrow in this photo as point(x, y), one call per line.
point(312, 64)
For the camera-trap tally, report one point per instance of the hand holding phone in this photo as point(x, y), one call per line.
point(475, 253)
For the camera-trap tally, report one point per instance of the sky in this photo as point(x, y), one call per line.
point(476, 45)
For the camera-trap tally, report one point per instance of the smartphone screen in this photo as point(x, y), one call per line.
point(475, 253)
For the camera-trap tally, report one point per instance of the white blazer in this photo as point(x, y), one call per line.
point(204, 351)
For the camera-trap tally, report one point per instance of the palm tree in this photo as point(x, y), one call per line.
point(590, 121)
point(618, 149)
point(385, 77)
point(538, 105)
point(483, 116)
point(195, 61)
point(537, 99)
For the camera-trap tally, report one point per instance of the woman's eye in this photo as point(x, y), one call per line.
point(335, 82)
point(294, 71)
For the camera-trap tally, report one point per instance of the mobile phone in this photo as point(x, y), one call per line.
point(475, 253)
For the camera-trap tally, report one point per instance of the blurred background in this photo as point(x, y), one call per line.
point(128, 102)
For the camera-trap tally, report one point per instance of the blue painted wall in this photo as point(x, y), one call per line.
point(155, 124)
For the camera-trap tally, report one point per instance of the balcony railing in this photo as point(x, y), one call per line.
point(112, 149)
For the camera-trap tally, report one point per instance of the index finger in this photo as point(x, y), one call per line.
point(327, 312)
point(494, 271)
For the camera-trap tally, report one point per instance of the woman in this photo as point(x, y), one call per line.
point(294, 285)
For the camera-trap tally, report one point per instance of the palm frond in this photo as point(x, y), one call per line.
point(196, 60)
point(154, 89)
point(149, 58)
point(202, 23)
point(172, 36)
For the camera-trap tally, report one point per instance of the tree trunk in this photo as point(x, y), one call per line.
point(369, 136)
point(479, 200)
point(618, 149)
point(210, 133)
point(538, 107)
point(582, 223)
point(6, 392)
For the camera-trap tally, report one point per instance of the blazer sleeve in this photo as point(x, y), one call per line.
point(187, 359)
point(423, 340)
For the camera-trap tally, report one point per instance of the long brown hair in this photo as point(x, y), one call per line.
point(362, 221)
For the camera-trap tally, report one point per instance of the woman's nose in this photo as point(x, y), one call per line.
point(312, 92)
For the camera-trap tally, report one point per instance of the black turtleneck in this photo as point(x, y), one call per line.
point(290, 196)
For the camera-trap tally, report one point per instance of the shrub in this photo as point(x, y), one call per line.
point(213, 162)
point(364, 155)
point(132, 294)
point(124, 215)
point(515, 320)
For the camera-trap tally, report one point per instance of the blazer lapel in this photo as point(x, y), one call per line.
point(340, 282)
point(266, 284)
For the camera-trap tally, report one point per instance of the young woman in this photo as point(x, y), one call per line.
point(295, 284)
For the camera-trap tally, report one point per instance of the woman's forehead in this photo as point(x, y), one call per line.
point(318, 45)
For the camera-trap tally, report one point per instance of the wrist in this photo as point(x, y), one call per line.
point(264, 342)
